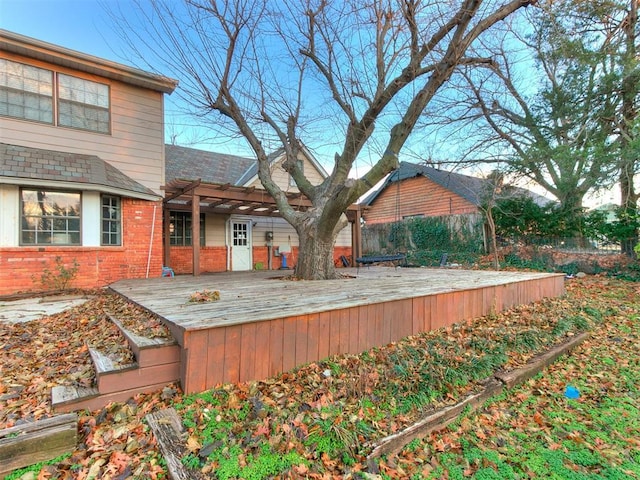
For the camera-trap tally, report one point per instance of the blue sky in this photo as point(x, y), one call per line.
point(77, 24)
point(85, 26)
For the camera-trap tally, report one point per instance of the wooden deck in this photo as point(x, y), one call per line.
point(263, 324)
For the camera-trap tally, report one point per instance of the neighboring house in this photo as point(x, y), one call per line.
point(81, 166)
point(421, 191)
point(239, 227)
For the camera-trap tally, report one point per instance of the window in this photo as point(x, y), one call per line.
point(240, 235)
point(180, 229)
point(32, 93)
point(26, 92)
point(111, 220)
point(83, 104)
point(49, 217)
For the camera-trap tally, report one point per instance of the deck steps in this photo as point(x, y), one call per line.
point(157, 363)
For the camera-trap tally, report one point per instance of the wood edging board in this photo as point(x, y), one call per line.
point(168, 430)
point(39, 441)
point(439, 419)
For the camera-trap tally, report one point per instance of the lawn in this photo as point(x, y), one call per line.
point(321, 420)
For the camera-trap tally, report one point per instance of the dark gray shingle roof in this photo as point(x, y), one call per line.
point(191, 164)
point(472, 189)
point(29, 163)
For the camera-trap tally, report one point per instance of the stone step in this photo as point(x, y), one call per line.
point(149, 351)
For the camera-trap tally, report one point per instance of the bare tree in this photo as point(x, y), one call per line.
point(283, 74)
point(570, 122)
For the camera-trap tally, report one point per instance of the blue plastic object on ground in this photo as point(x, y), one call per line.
point(571, 392)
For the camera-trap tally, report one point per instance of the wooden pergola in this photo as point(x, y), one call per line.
point(226, 199)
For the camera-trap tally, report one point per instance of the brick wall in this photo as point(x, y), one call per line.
point(214, 259)
point(21, 268)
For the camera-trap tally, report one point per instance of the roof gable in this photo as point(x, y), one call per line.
point(472, 189)
point(278, 156)
point(183, 163)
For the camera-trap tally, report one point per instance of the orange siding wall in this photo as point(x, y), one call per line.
point(416, 196)
point(21, 267)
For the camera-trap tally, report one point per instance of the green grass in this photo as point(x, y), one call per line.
point(326, 424)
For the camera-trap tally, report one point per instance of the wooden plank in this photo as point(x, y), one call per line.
point(333, 333)
point(313, 337)
point(194, 361)
point(118, 380)
point(517, 376)
point(301, 340)
point(168, 430)
point(376, 321)
point(262, 357)
point(417, 315)
point(323, 340)
point(437, 420)
point(215, 356)
point(354, 331)
point(363, 329)
point(402, 324)
point(343, 331)
point(38, 441)
point(428, 312)
point(289, 344)
point(74, 400)
point(247, 352)
point(276, 347)
point(232, 353)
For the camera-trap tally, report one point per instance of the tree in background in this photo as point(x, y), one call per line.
point(284, 74)
point(569, 123)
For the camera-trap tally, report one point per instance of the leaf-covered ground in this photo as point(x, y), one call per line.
point(321, 420)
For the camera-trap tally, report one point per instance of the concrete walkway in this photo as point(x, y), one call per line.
point(28, 309)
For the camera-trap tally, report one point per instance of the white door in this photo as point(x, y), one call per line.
point(241, 258)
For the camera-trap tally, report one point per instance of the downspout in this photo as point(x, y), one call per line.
point(153, 227)
point(226, 242)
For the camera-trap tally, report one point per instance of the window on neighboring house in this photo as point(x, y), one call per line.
point(30, 93)
point(111, 220)
point(180, 229)
point(49, 217)
point(26, 92)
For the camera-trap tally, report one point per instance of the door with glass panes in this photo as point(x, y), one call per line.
point(241, 258)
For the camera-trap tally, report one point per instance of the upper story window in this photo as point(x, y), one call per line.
point(83, 104)
point(26, 92)
point(37, 94)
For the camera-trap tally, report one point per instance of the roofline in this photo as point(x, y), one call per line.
point(306, 153)
point(55, 54)
point(123, 192)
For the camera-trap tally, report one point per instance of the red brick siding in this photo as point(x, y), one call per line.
point(416, 196)
point(214, 259)
point(21, 267)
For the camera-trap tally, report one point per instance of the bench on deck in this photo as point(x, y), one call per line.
point(370, 260)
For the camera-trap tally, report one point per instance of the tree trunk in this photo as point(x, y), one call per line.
point(315, 258)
